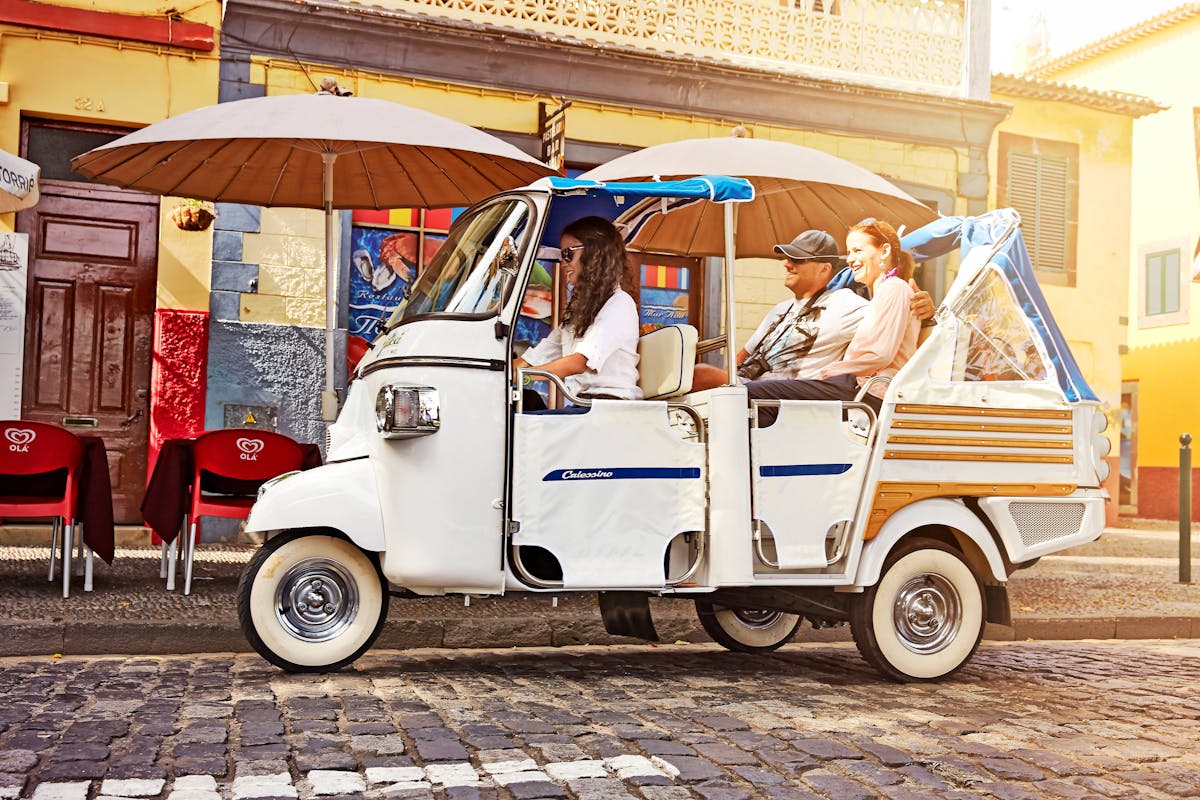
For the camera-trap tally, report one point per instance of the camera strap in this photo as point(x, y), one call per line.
point(766, 343)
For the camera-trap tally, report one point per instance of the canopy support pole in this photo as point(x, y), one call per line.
point(730, 233)
point(329, 398)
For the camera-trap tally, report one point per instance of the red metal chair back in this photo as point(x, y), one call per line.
point(33, 448)
point(241, 454)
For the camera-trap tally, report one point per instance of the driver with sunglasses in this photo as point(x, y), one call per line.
point(801, 336)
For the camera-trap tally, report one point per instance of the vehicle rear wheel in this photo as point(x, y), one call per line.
point(311, 602)
point(925, 616)
point(747, 630)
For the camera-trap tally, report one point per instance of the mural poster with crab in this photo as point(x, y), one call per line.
point(384, 263)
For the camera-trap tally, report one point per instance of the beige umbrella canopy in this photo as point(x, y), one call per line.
point(321, 150)
point(797, 188)
point(270, 151)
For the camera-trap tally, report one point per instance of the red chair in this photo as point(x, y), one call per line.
point(32, 449)
point(233, 462)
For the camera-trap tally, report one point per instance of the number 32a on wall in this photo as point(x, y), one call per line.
point(89, 104)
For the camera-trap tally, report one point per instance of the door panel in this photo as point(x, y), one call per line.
point(92, 275)
point(51, 339)
point(807, 476)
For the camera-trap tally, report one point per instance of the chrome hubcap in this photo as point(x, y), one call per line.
point(316, 600)
point(757, 618)
point(927, 613)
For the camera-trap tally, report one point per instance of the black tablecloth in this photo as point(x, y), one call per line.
point(94, 498)
point(169, 491)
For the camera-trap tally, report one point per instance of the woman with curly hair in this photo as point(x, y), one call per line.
point(595, 347)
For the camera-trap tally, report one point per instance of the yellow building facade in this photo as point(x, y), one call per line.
point(105, 263)
point(1090, 133)
point(1158, 58)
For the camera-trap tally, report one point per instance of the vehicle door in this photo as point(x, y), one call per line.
point(607, 492)
point(807, 471)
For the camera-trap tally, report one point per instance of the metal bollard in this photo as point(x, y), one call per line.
point(1185, 508)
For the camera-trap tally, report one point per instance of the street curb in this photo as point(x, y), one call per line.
point(89, 637)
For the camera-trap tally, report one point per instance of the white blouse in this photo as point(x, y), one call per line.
point(610, 345)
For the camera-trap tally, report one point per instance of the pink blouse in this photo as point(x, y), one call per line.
point(886, 338)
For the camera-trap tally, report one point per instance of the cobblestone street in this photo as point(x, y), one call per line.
point(1030, 719)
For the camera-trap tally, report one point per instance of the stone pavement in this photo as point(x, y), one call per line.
point(1122, 586)
point(1023, 720)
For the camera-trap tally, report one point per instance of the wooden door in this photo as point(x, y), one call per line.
point(89, 320)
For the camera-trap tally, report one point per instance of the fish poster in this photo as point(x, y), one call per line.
point(383, 265)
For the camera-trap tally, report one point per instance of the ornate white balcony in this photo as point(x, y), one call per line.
point(917, 45)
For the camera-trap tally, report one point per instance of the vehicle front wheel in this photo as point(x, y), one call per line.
point(925, 616)
point(748, 630)
point(311, 602)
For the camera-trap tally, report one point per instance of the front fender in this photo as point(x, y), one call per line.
point(935, 511)
point(341, 495)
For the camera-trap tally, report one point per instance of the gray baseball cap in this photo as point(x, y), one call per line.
point(810, 245)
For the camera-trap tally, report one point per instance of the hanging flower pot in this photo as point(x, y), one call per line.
point(192, 215)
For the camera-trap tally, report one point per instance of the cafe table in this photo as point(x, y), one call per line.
point(94, 509)
point(169, 492)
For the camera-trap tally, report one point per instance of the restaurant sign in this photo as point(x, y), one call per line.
point(14, 260)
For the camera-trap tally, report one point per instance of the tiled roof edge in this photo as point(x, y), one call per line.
point(1132, 105)
point(1113, 41)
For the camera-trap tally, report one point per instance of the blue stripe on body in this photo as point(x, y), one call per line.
point(793, 470)
point(620, 473)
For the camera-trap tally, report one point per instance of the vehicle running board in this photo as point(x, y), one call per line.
point(627, 614)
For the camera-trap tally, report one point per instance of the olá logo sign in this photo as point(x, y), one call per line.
point(19, 439)
point(250, 448)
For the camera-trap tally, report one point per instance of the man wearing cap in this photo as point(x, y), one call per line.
point(799, 337)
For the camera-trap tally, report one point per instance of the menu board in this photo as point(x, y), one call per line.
point(14, 260)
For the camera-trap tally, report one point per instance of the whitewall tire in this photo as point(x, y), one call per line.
point(311, 601)
point(924, 618)
point(747, 630)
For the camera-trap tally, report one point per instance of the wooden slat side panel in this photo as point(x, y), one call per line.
point(982, 427)
point(968, 411)
point(979, 441)
point(940, 455)
point(891, 496)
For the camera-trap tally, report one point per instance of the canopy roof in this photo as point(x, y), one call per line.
point(717, 188)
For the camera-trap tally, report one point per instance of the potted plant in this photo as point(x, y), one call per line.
point(192, 215)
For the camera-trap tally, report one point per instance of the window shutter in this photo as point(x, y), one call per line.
point(1039, 190)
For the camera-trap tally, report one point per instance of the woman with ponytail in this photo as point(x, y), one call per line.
point(595, 347)
point(887, 336)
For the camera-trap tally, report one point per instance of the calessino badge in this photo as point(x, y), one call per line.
point(250, 448)
point(19, 439)
point(621, 473)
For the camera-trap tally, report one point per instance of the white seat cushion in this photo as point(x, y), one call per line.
point(667, 357)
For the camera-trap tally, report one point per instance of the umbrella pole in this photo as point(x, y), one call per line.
point(730, 231)
point(329, 399)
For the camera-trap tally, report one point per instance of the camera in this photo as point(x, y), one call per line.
point(753, 367)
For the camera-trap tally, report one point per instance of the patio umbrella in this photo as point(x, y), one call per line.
point(322, 151)
point(797, 188)
point(18, 183)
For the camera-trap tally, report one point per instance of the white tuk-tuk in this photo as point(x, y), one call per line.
point(988, 453)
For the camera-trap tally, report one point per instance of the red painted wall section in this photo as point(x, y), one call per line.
point(133, 27)
point(177, 376)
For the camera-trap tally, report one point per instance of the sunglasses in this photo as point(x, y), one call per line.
point(568, 253)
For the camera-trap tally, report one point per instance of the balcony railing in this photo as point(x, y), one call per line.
point(906, 44)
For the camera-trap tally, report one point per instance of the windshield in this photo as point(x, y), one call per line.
point(470, 271)
point(995, 342)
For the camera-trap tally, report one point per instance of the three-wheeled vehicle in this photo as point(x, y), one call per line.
point(987, 454)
